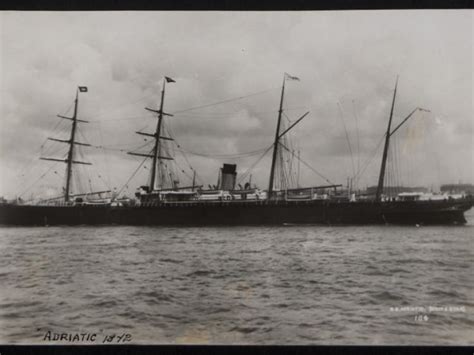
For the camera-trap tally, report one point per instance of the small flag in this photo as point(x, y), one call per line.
point(289, 77)
point(169, 80)
point(82, 88)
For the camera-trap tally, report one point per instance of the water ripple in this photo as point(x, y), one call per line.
point(266, 285)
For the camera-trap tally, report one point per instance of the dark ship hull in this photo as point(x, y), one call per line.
point(277, 208)
point(243, 213)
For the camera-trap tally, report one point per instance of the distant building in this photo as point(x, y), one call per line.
point(465, 189)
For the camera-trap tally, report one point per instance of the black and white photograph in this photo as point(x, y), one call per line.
point(237, 177)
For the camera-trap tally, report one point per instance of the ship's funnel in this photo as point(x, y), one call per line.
point(228, 176)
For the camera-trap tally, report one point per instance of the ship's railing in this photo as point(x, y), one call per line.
point(309, 194)
point(53, 203)
point(65, 204)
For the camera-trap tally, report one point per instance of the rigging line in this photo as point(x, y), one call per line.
point(358, 136)
point(82, 136)
point(148, 124)
point(223, 156)
point(393, 167)
point(395, 172)
point(36, 181)
point(291, 108)
point(58, 122)
point(246, 173)
point(198, 177)
point(283, 164)
point(386, 177)
point(218, 115)
point(28, 165)
point(225, 101)
point(118, 119)
point(59, 130)
point(291, 176)
point(119, 145)
point(313, 169)
point(170, 133)
point(107, 184)
point(397, 165)
point(107, 160)
point(108, 149)
point(134, 173)
point(183, 171)
point(27, 168)
point(83, 171)
point(341, 115)
point(287, 118)
point(117, 107)
point(118, 149)
point(369, 160)
point(69, 108)
point(186, 158)
point(140, 147)
point(53, 149)
point(52, 131)
point(391, 171)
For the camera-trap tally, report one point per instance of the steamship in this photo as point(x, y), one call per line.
point(224, 203)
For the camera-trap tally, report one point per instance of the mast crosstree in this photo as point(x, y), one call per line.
point(72, 142)
point(278, 135)
point(388, 134)
point(157, 135)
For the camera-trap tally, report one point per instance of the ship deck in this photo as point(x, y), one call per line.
point(468, 201)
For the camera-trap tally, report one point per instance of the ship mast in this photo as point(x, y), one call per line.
point(157, 138)
point(278, 135)
point(378, 193)
point(72, 142)
point(388, 134)
point(275, 143)
point(156, 156)
point(71, 149)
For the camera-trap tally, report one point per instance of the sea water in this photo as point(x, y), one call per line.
point(238, 285)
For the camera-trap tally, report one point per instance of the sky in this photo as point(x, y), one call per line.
point(347, 62)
